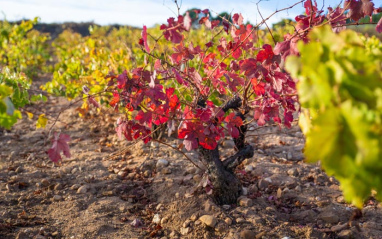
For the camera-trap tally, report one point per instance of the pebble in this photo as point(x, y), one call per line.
point(245, 202)
point(156, 219)
point(19, 169)
point(228, 221)
point(164, 220)
point(240, 220)
point(247, 234)
point(248, 168)
point(208, 220)
point(83, 189)
point(166, 171)
point(194, 217)
point(45, 182)
point(162, 163)
point(329, 217)
point(244, 191)
point(228, 144)
point(226, 207)
point(340, 199)
point(252, 189)
point(289, 156)
point(293, 172)
point(58, 186)
point(75, 186)
point(185, 231)
point(57, 198)
point(186, 223)
point(263, 184)
point(298, 188)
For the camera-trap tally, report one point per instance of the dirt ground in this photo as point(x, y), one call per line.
point(152, 191)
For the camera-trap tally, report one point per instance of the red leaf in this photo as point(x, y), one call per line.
point(60, 144)
point(234, 120)
point(208, 143)
point(144, 117)
point(178, 77)
point(258, 87)
point(144, 38)
point(122, 79)
point(237, 19)
point(236, 53)
point(265, 54)
point(115, 99)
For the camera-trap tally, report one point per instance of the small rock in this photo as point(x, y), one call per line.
point(298, 188)
point(228, 221)
point(131, 175)
point(19, 169)
point(156, 219)
point(75, 186)
point(329, 217)
point(293, 172)
point(244, 191)
point(228, 144)
point(83, 189)
point(186, 223)
point(245, 202)
point(247, 234)
point(248, 168)
point(208, 220)
point(208, 206)
point(260, 151)
point(173, 234)
point(226, 207)
point(194, 217)
point(162, 163)
point(58, 186)
point(340, 199)
point(166, 171)
point(164, 220)
point(263, 184)
point(252, 189)
point(289, 155)
point(57, 198)
point(160, 207)
point(185, 231)
point(45, 182)
point(240, 220)
point(279, 193)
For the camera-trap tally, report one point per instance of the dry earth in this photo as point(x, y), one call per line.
point(151, 190)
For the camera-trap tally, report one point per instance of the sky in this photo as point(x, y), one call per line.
point(142, 12)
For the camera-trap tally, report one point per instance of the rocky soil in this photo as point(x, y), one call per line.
point(112, 189)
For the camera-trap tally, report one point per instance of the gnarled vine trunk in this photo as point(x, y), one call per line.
point(226, 187)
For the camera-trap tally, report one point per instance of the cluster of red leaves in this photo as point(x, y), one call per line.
point(352, 11)
point(230, 66)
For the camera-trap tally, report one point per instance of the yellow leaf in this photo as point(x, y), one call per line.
point(30, 115)
point(42, 121)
